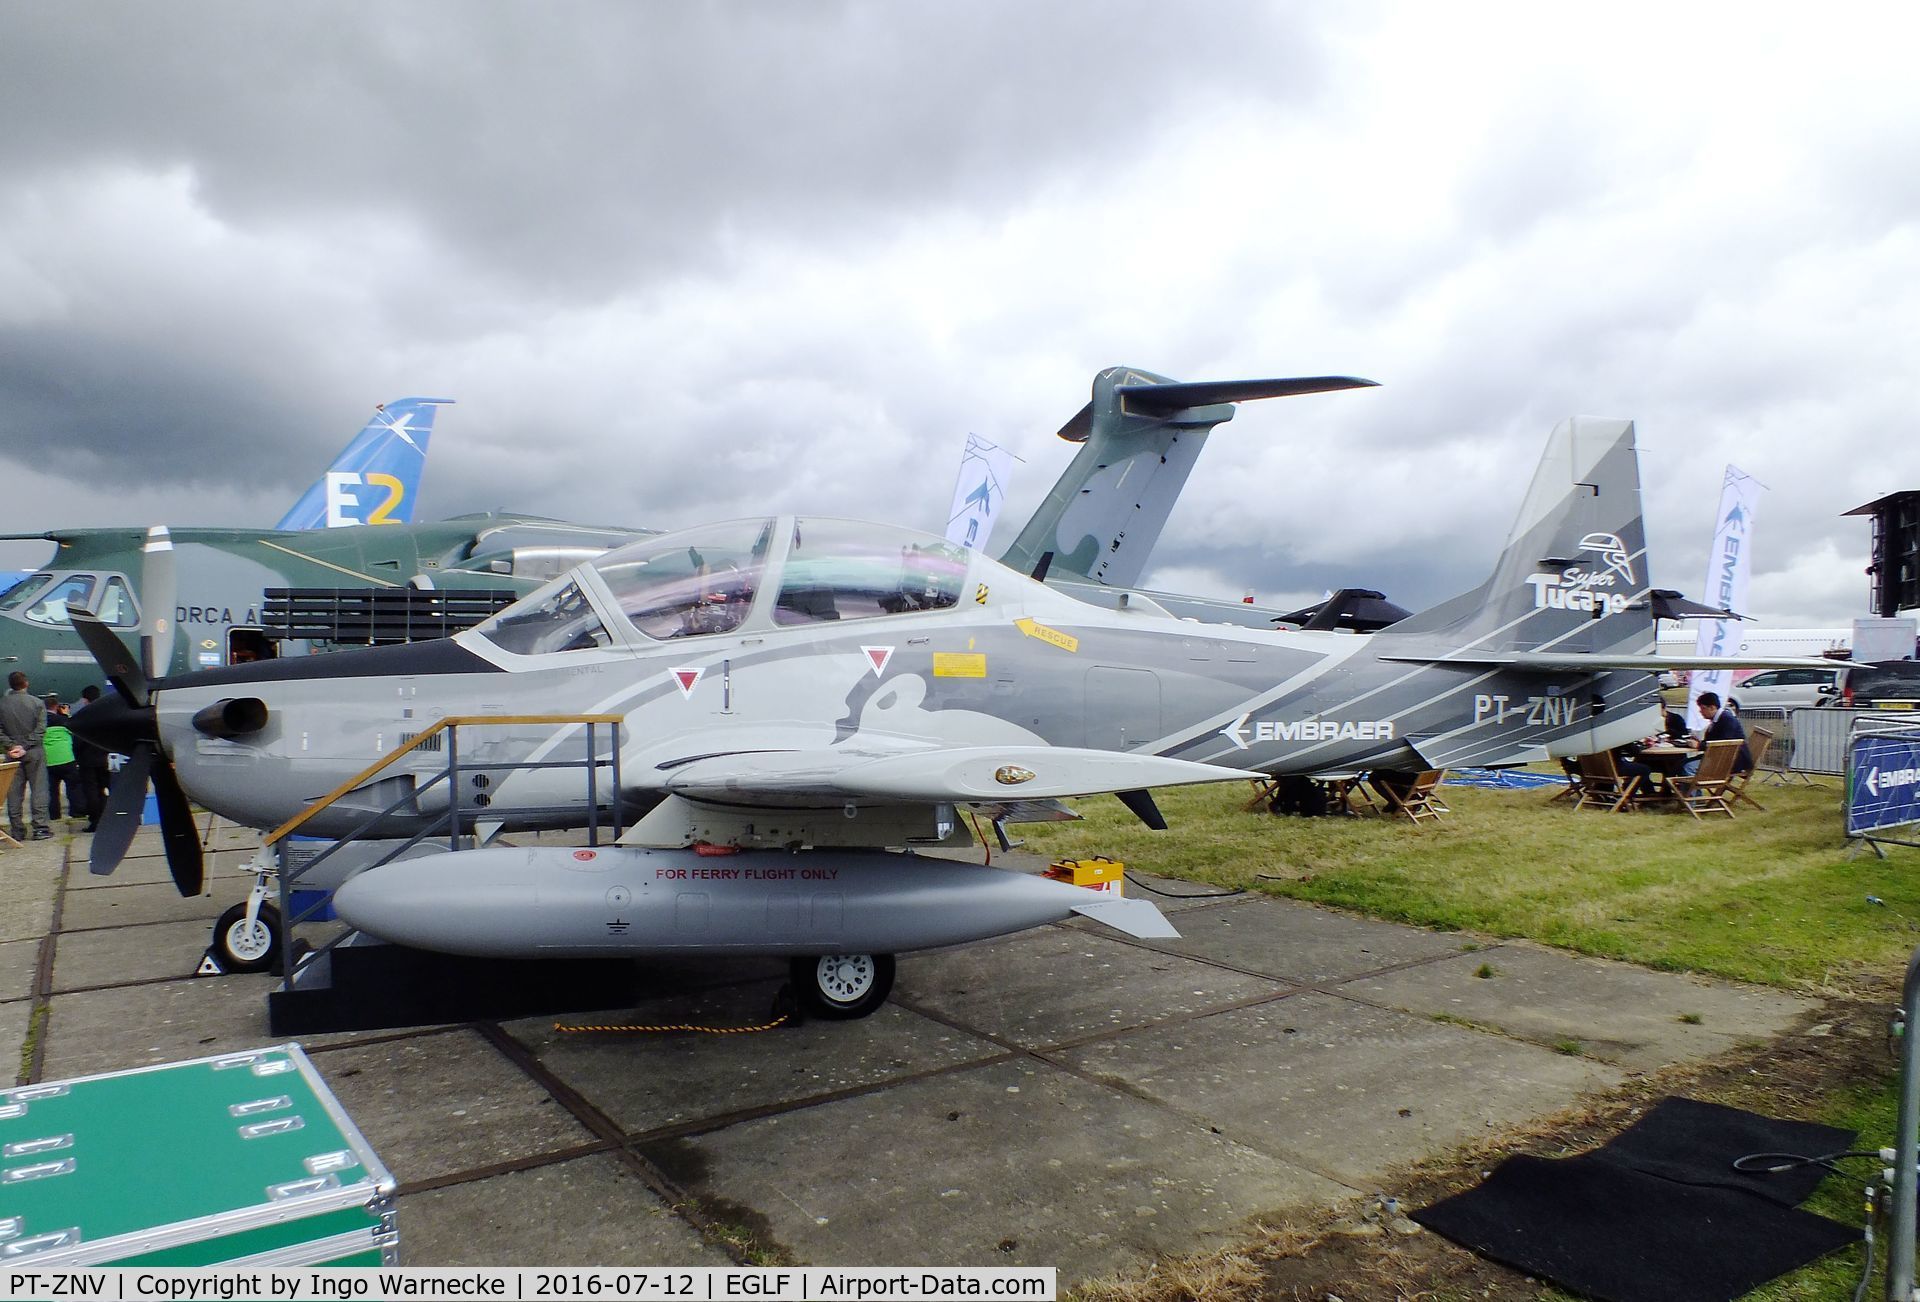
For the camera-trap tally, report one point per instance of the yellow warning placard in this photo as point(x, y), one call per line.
point(959, 664)
point(1051, 636)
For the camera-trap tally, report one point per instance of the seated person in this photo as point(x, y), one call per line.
point(1722, 725)
point(1626, 760)
point(1676, 729)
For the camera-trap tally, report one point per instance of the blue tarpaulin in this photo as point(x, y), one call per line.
point(1501, 779)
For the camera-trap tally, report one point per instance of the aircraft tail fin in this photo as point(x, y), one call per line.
point(1140, 436)
point(1573, 575)
point(377, 479)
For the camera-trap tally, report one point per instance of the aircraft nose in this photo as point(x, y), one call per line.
point(113, 725)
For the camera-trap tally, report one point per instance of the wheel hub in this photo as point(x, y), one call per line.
point(249, 941)
point(845, 977)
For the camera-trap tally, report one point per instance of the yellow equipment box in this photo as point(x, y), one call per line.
point(1097, 874)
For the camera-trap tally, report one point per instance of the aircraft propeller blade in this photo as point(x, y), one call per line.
point(157, 588)
point(121, 818)
point(116, 662)
point(185, 859)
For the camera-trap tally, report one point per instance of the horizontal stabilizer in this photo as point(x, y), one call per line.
point(1164, 399)
point(1137, 918)
point(1560, 662)
point(1204, 393)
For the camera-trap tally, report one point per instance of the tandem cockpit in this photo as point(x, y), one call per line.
point(741, 576)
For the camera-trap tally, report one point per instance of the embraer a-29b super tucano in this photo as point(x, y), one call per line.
point(810, 694)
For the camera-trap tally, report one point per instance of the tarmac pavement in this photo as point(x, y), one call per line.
point(1065, 1096)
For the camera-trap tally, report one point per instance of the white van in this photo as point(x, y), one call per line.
point(1785, 689)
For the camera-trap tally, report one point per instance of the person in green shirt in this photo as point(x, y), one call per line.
point(63, 771)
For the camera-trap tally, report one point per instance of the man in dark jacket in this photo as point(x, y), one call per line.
point(1722, 725)
point(23, 724)
point(94, 774)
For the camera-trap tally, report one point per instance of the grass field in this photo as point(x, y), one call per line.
point(1771, 897)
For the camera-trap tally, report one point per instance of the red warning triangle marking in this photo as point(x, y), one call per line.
point(686, 678)
point(878, 656)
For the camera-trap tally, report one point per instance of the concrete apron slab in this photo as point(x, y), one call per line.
point(170, 1021)
point(31, 871)
point(15, 1019)
point(1011, 1163)
point(647, 1081)
point(1058, 984)
point(1301, 944)
point(436, 1105)
point(589, 1211)
point(1340, 1087)
point(19, 967)
point(121, 955)
point(1614, 1011)
point(123, 906)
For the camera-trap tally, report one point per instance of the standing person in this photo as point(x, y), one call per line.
point(63, 772)
point(23, 723)
point(94, 774)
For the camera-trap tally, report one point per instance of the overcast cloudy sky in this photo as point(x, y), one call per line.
point(680, 262)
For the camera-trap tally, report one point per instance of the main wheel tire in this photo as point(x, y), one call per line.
point(242, 948)
point(842, 987)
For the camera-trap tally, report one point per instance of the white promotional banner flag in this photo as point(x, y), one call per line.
point(1728, 565)
point(985, 471)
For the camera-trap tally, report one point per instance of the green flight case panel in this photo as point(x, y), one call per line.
point(242, 1159)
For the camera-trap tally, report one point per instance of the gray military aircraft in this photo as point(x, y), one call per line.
point(799, 696)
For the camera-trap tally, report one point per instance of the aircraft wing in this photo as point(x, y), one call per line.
point(1560, 662)
point(964, 775)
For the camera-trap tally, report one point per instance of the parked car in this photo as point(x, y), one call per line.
point(1785, 689)
point(1888, 685)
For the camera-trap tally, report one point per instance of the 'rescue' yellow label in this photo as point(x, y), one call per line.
point(1051, 636)
point(959, 664)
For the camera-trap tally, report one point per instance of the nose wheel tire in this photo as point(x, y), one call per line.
point(241, 947)
point(843, 986)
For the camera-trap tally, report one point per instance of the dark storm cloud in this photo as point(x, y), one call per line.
point(323, 196)
point(583, 142)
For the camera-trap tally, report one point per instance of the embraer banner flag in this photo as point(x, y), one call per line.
point(1726, 585)
point(985, 471)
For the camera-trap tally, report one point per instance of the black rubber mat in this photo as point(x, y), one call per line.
point(1696, 1143)
point(1658, 1215)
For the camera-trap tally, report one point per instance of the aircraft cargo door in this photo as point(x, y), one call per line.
point(1123, 707)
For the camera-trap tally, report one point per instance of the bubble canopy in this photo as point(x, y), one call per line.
point(777, 571)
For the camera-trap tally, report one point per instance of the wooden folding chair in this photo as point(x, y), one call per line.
point(1707, 788)
point(8, 772)
point(1759, 744)
point(1412, 794)
point(1572, 790)
point(1264, 790)
point(1603, 786)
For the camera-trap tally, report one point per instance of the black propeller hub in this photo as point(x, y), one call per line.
point(113, 725)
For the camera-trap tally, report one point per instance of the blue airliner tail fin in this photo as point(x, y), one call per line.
point(377, 479)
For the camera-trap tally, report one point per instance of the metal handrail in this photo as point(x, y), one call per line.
point(450, 819)
point(299, 820)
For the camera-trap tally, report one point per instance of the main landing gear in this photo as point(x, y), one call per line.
point(841, 987)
